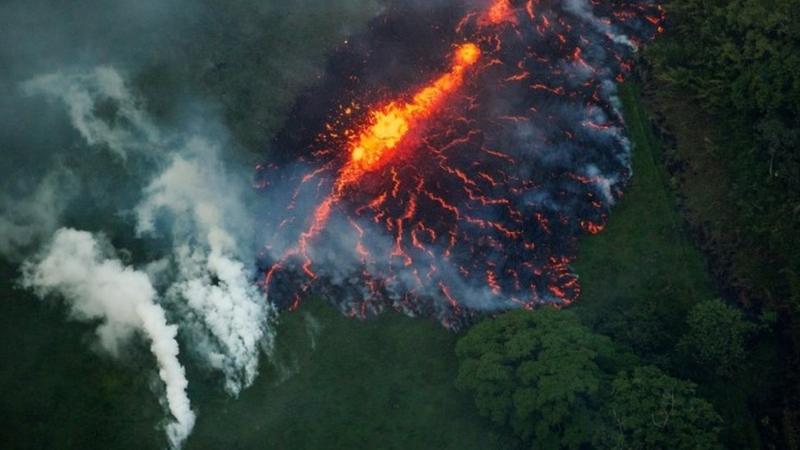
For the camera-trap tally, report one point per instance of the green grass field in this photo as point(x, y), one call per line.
point(334, 383)
point(643, 256)
point(343, 383)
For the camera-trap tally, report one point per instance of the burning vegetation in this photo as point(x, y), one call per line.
point(450, 157)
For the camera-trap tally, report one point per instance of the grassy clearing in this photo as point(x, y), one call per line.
point(644, 254)
point(55, 392)
point(343, 383)
point(335, 383)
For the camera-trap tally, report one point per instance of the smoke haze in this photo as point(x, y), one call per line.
point(140, 121)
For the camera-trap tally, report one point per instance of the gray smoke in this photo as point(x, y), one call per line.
point(98, 287)
point(195, 195)
point(582, 9)
point(32, 217)
point(196, 204)
point(80, 92)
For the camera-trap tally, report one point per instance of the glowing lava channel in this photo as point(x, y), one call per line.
point(387, 128)
point(390, 125)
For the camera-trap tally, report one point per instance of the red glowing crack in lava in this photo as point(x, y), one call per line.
point(378, 182)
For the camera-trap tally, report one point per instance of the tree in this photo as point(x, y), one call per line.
point(538, 372)
point(651, 410)
point(717, 337)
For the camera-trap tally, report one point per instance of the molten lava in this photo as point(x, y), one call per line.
point(389, 125)
point(499, 12)
point(386, 130)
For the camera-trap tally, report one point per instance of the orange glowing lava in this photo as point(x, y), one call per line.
point(391, 124)
point(386, 129)
point(500, 12)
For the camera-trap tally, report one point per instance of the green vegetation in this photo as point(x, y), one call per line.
point(651, 410)
point(539, 373)
point(641, 276)
point(551, 380)
point(724, 84)
point(646, 287)
point(58, 393)
point(717, 337)
point(738, 60)
point(342, 383)
point(335, 382)
point(645, 304)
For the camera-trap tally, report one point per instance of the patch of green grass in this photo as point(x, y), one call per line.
point(644, 254)
point(337, 382)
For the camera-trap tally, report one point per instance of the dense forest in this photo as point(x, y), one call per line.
point(721, 90)
point(740, 61)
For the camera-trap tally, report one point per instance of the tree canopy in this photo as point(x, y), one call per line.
point(717, 337)
point(537, 372)
point(651, 410)
point(740, 59)
point(552, 381)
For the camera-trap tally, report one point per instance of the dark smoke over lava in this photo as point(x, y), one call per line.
point(451, 156)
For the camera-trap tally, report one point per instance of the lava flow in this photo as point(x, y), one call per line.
point(386, 130)
point(467, 193)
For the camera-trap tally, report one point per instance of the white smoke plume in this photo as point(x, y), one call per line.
point(187, 195)
point(97, 286)
point(194, 195)
point(582, 9)
point(204, 211)
point(80, 93)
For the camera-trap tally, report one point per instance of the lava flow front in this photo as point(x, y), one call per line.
point(465, 193)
